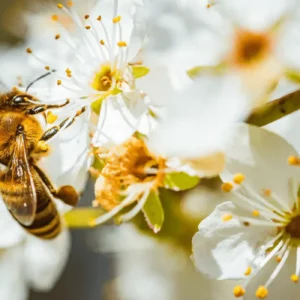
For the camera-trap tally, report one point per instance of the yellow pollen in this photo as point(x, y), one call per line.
point(51, 117)
point(29, 50)
point(238, 178)
point(122, 44)
point(57, 36)
point(54, 18)
point(86, 16)
point(42, 146)
point(293, 160)
point(99, 18)
point(294, 278)
point(117, 19)
point(102, 42)
point(59, 5)
point(58, 82)
point(88, 27)
point(248, 271)
point(238, 291)
point(267, 192)
point(261, 292)
point(70, 3)
point(47, 68)
point(227, 187)
point(278, 259)
point(256, 213)
point(226, 217)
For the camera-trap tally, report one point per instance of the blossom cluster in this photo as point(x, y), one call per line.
point(163, 93)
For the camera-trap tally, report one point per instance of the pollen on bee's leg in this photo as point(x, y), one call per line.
point(294, 278)
point(226, 217)
point(226, 187)
point(42, 146)
point(238, 291)
point(238, 178)
point(262, 292)
point(248, 271)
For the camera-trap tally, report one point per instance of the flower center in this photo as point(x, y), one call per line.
point(250, 47)
point(102, 80)
point(293, 228)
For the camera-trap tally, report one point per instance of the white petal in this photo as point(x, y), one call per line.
point(199, 119)
point(13, 283)
point(224, 250)
point(45, 260)
point(282, 287)
point(262, 157)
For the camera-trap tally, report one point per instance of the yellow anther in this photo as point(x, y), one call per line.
point(294, 278)
point(51, 117)
point(57, 36)
point(226, 217)
point(59, 5)
point(70, 3)
point(255, 213)
point(293, 160)
point(238, 178)
point(47, 68)
point(42, 146)
point(278, 259)
point(227, 187)
point(102, 42)
point(267, 192)
point(54, 18)
point(58, 82)
point(261, 292)
point(238, 291)
point(86, 16)
point(117, 19)
point(68, 71)
point(122, 44)
point(87, 27)
point(248, 271)
point(29, 50)
point(99, 18)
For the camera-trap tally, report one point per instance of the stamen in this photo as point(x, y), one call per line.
point(102, 42)
point(278, 259)
point(117, 19)
point(57, 36)
point(248, 271)
point(86, 17)
point(122, 44)
point(226, 187)
point(238, 178)
point(69, 72)
point(54, 18)
point(294, 278)
point(99, 18)
point(42, 146)
point(47, 68)
point(29, 50)
point(59, 5)
point(256, 213)
point(59, 82)
point(293, 160)
point(261, 292)
point(87, 27)
point(51, 117)
point(70, 3)
point(238, 291)
point(267, 192)
point(226, 217)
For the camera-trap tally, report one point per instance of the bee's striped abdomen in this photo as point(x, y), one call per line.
point(46, 224)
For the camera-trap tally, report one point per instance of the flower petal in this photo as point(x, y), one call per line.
point(224, 250)
point(262, 157)
point(45, 260)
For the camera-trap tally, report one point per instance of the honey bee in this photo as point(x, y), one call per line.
point(24, 187)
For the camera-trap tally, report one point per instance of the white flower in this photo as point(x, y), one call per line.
point(255, 235)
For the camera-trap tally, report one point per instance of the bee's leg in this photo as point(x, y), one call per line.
point(55, 129)
point(65, 193)
point(43, 107)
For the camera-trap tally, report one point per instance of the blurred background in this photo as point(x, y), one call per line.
point(128, 262)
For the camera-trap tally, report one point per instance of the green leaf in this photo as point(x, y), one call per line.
point(153, 212)
point(180, 181)
point(139, 71)
point(293, 75)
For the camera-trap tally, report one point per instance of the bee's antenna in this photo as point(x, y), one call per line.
point(39, 78)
